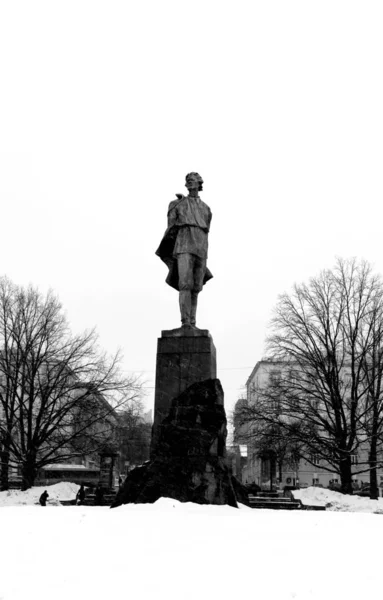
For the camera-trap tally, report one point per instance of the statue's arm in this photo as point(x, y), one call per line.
point(172, 216)
point(172, 211)
point(208, 221)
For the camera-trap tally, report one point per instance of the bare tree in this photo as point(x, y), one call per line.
point(324, 333)
point(10, 373)
point(373, 414)
point(134, 435)
point(55, 387)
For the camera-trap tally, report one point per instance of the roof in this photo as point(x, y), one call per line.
point(269, 361)
point(67, 467)
point(253, 372)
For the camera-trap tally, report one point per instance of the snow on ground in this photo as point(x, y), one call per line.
point(59, 491)
point(174, 551)
point(338, 502)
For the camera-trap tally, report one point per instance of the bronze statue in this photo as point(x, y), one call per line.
point(184, 247)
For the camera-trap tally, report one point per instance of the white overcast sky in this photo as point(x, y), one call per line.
point(105, 106)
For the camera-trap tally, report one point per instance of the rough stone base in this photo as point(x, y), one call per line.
point(184, 356)
point(189, 462)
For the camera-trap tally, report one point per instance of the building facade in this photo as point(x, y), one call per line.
point(91, 428)
point(301, 471)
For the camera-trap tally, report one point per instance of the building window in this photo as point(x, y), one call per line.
point(275, 377)
point(315, 480)
point(354, 459)
point(314, 404)
point(314, 458)
point(295, 403)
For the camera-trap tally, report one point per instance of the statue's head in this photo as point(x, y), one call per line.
point(194, 181)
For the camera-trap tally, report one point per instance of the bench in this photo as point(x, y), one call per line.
point(90, 500)
point(273, 502)
point(107, 499)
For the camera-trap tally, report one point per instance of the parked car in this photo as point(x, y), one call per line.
point(288, 489)
point(364, 491)
point(252, 488)
point(334, 486)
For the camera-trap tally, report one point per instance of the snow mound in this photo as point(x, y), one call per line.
point(169, 506)
point(336, 501)
point(59, 491)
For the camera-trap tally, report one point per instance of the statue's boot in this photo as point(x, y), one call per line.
point(193, 310)
point(185, 307)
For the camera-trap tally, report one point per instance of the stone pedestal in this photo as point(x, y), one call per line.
point(189, 462)
point(184, 356)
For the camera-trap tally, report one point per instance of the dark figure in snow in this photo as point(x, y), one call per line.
point(80, 496)
point(98, 495)
point(43, 498)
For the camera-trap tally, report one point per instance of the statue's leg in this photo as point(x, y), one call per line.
point(185, 307)
point(185, 284)
point(193, 311)
point(198, 276)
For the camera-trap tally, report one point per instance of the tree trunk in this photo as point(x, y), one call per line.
point(374, 490)
point(4, 474)
point(28, 472)
point(345, 475)
point(273, 471)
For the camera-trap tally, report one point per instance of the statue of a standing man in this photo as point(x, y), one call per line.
point(184, 247)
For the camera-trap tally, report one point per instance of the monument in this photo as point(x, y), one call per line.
point(184, 248)
point(188, 446)
point(185, 355)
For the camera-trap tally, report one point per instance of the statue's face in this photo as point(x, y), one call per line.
point(194, 183)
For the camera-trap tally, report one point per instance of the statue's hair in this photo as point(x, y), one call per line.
point(193, 175)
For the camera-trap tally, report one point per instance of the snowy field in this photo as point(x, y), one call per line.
point(174, 551)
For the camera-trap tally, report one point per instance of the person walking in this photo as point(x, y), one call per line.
point(43, 498)
point(98, 495)
point(80, 496)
